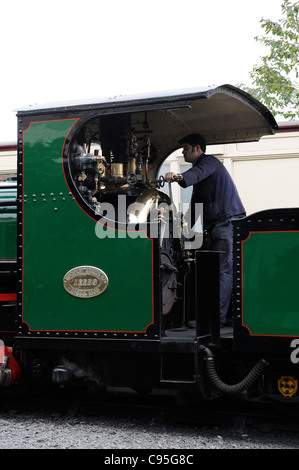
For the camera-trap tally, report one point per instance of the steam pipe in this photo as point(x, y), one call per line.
point(250, 378)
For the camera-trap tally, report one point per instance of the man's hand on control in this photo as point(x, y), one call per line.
point(170, 177)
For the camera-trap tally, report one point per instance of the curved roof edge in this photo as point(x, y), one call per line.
point(249, 99)
point(153, 97)
point(222, 113)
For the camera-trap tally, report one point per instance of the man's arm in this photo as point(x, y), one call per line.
point(170, 177)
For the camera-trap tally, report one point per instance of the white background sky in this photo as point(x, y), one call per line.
point(75, 49)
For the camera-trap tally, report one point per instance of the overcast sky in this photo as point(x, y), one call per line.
point(75, 49)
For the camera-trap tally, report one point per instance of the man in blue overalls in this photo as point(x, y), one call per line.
point(215, 189)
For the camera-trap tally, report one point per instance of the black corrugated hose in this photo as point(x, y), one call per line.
point(250, 378)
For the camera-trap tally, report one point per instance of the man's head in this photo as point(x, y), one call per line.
point(193, 146)
point(194, 139)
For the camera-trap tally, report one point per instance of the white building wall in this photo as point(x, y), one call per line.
point(266, 173)
point(8, 161)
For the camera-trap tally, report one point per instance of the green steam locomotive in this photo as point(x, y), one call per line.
point(100, 281)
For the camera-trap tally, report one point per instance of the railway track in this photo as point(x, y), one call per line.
point(265, 414)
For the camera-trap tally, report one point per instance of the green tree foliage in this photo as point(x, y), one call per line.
point(275, 79)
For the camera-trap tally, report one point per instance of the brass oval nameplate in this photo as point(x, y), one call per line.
point(85, 282)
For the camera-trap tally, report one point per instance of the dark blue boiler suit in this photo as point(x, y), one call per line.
point(215, 189)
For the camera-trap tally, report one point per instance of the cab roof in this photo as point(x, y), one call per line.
point(223, 114)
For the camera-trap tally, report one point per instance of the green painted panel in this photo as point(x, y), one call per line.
point(58, 236)
point(42, 167)
point(270, 267)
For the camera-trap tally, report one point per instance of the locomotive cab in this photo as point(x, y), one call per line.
point(108, 277)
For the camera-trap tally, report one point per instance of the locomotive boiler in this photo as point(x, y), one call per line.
point(100, 280)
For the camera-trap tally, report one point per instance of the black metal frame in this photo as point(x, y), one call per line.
point(207, 297)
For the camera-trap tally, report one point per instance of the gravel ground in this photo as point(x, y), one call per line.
point(57, 431)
